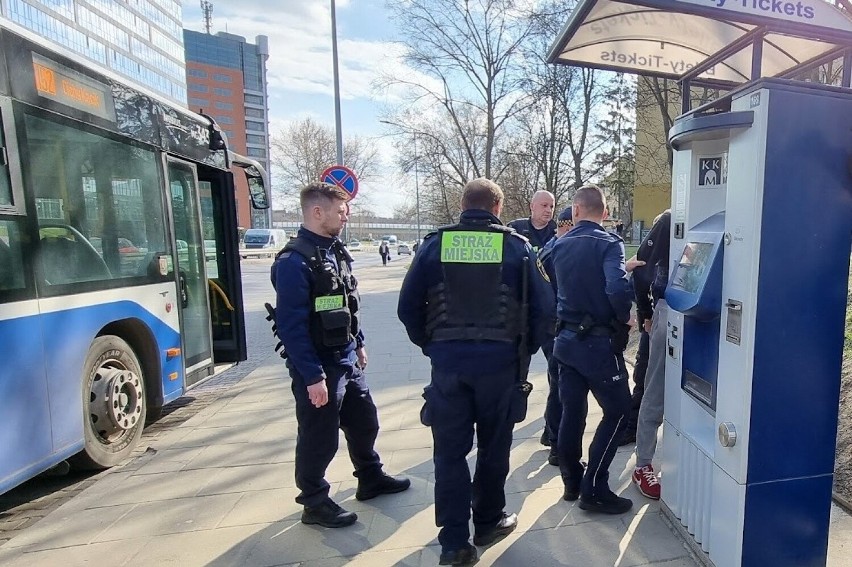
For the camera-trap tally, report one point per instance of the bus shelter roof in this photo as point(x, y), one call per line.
point(714, 42)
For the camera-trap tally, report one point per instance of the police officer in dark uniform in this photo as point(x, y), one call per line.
point(540, 227)
point(593, 306)
point(463, 303)
point(317, 322)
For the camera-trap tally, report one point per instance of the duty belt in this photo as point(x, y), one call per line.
point(470, 334)
point(595, 331)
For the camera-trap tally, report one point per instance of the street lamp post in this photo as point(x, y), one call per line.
point(337, 122)
point(416, 190)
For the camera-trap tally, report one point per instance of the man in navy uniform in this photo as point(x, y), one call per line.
point(540, 227)
point(317, 322)
point(593, 306)
point(462, 302)
point(553, 408)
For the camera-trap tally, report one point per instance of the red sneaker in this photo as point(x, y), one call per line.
point(646, 481)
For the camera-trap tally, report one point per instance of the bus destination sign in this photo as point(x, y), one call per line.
point(69, 87)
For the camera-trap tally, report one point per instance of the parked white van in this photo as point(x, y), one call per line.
point(267, 239)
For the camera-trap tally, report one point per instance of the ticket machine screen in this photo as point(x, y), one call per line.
point(692, 268)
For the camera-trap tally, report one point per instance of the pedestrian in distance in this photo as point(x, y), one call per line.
point(553, 408)
point(594, 301)
point(653, 311)
point(540, 227)
point(477, 302)
point(384, 252)
point(317, 321)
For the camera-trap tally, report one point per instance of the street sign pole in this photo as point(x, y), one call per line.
point(337, 122)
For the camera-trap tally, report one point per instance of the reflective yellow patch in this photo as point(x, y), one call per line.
point(328, 302)
point(471, 247)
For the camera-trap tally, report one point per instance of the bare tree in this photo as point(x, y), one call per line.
point(469, 48)
point(302, 150)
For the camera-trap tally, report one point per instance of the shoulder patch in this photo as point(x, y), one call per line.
point(501, 228)
point(541, 270)
point(430, 235)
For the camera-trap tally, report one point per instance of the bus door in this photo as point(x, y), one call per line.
point(221, 243)
point(190, 271)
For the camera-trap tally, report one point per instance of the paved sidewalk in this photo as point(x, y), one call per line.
point(218, 489)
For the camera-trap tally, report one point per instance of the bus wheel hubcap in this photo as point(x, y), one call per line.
point(117, 400)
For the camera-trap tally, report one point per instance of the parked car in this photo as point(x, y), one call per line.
point(354, 245)
point(403, 248)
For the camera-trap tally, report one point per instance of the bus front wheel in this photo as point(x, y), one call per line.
point(114, 404)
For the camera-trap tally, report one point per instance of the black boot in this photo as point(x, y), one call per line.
point(465, 556)
point(504, 527)
point(329, 515)
point(606, 502)
point(381, 484)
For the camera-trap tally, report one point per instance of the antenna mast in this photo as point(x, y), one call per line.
point(207, 11)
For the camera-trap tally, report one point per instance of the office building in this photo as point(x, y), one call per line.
point(140, 40)
point(226, 79)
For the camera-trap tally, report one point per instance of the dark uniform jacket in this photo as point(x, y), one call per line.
point(475, 356)
point(538, 238)
point(650, 280)
point(589, 267)
point(291, 278)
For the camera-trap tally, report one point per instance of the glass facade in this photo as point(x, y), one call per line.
point(141, 40)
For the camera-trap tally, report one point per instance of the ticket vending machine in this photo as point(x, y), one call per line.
point(761, 236)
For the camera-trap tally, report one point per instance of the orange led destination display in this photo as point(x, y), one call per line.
point(69, 87)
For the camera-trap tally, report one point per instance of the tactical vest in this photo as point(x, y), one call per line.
point(472, 302)
point(334, 300)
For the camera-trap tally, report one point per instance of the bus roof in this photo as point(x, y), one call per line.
point(107, 100)
point(31, 36)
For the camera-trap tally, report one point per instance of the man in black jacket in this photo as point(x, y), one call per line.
point(540, 227)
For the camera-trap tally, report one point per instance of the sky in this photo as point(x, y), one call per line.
point(300, 71)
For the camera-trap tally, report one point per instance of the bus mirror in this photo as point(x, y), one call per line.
point(257, 180)
point(257, 192)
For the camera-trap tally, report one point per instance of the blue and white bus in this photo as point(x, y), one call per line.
point(110, 306)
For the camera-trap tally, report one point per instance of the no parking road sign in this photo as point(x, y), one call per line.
point(343, 177)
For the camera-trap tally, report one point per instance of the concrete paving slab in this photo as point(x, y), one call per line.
point(199, 548)
point(263, 507)
point(114, 553)
point(177, 516)
point(172, 459)
point(69, 528)
point(282, 451)
point(246, 479)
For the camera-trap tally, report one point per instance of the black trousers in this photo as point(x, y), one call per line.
point(590, 365)
point(457, 403)
point(350, 408)
point(553, 408)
